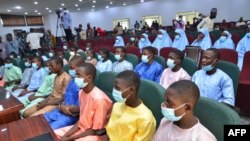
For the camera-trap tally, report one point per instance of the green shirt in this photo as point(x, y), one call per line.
point(47, 86)
point(10, 74)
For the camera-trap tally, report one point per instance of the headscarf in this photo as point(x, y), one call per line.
point(145, 43)
point(242, 47)
point(182, 42)
point(204, 43)
point(119, 42)
point(227, 43)
point(164, 42)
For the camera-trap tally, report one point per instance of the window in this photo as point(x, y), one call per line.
point(13, 20)
point(150, 19)
point(34, 20)
point(123, 22)
point(187, 16)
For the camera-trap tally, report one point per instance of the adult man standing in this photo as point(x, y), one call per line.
point(33, 39)
point(67, 23)
point(12, 44)
point(3, 53)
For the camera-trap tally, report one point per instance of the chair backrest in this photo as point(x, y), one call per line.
point(106, 83)
point(189, 65)
point(152, 95)
point(67, 55)
point(160, 60)
point(97, 77)
point(134, 50)
point(66, 68)
point(164, 52)
point(112, 57)
point(229, 55)
point(246, 67)
point(194, 53)
point(214, 115)
point(83, 55)
point(232, 71)
point(132, 59)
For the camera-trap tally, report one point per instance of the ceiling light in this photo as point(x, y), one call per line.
point(47, 8)
point(39, 13)
point(94, 1)
point(62, 4)
point(93, 6)
point(8, 10)
point(142, 0)
point(107, 6)
point(111, 2)
point(50, 11)
point(76, 5)
point(26, 13)
point(60, 8)
point(35, 2)
point(18, 7)
point(124, 4)
point(36, 11)
point(78, 9)
point(80, 0)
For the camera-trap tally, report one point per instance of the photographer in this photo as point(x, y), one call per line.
point(80, 33)
point(67, 22)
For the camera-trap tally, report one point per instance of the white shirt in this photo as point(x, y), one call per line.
point(104, 66)
point(122, 66)
point(34, 40)
point(206, 23)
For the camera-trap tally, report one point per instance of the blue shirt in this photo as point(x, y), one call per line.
point(166, 41)
point(204, 43)
point(227, 43)
point(66, 20)
point(70, 98)
point(218, 86)
point(12, 46)
point(242, 47)
point(149, 71)
point(37, 79)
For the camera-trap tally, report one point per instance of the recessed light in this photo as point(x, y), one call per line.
point(50, 11)
point(80, 0)
point(107, 6)
point(36, 11)
point(47, 8)
point(35, 2)
point(39, 13)
point(76, 5)
point(62, 4)
point(8, 10)
point(142, 0)
point(94, 1)
point(78, 9)
point(60, 8)
point(111, 2)
point(93, 6)
point(124, 4)
point(18, 7)
point(26, 13)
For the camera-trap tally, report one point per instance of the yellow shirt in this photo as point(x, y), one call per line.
point(131, 124)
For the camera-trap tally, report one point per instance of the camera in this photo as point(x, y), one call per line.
point(58, 12)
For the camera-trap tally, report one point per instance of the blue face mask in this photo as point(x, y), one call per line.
point(223, 38)
point(142, 40)
point(80, 82)
point(169, 113)
point(72, 73)
point(118, 57)
point(207, 68)
point(34, 66)
point(47, 69)
point(248, 35)
point(27, 64)
point(117, 95)
point(160, 36)
point(144, 58)
point(117, 41)
point(8, 65)
point(170, 63)
point(132, 39)
point(177, 37)
point(37, 54)
point(51, 54)
point(100, 58)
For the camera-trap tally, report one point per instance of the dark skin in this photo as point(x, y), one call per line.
point(149, 54)
point(17, 81)
point(174, 101)
point(25, 91)
point(200, 36)
point(122, 54)
point(73, 50)
point(81, 73)
point(177, 61)
point(104, 56)
point(57, 69)
point(208, 58)
point(90, 53)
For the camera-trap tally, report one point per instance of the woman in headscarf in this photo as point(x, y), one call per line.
point(119, 42)
point(203, 40)
point(162, 40)
point(180, 40)
point(242, 47)
point(144, 41)
point(133, 42)
point(225, 41)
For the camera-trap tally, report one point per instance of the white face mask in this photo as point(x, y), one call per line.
point(72, 53)
point(117, 95)
point(169, 113)
point(160, 36)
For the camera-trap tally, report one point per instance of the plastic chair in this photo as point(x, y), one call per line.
point(160, 60)
point(66, 68)
point(229, 55)
point(164, 52)
point(132, 59)
point(134, 50)
point(189, 65)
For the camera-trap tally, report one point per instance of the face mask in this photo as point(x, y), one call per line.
point(160, 36)
point(37, 54)
point(118, 57)
point(248, 35)
point(223, 38)
point(72, 73)
point(88, 58)
point(72, 53)
point(11, 56)
point(47, 69)
point(34, 66)
point(27, 64)
point(51, 54)
point(117, 95)
point(142, 39)
point(100, 58)
point(80, 82)
point(132, 39)
point(170, 63)
point(144, 58)
point(6, 65)
point(19, 57)
point(87, 48)
point(177, 37)
point(117, 41)
point(65, 47)
point(169, 113)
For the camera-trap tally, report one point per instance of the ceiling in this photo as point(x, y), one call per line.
point(28, 7)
